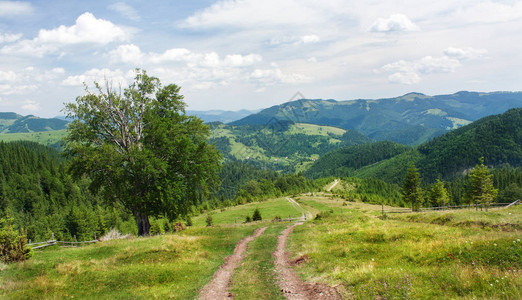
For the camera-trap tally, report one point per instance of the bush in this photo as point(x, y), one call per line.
point(13, 246)
point(179, 227)
point(248, 219)
point(257, 215)
point(209, 220)
point(188, 221)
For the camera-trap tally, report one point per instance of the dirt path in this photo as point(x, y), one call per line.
point(333, 185)
point(291, 286)
point(295, 204)
point(217, 288)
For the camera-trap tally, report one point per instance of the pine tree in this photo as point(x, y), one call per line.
point(257, 215)
point(480, 189)
point(411, 190)
point(438, 194)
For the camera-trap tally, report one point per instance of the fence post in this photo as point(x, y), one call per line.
point(95, 235)
point(75, 242)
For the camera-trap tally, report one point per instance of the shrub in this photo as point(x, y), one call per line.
point(256, 216)
point(179, 227)
point(188, 221)
point(248, 219)
point(13, 246)
point(209, 220)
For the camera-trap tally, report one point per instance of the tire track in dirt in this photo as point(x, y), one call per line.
point(291, 285)
point(217, 288)
point(297, 205)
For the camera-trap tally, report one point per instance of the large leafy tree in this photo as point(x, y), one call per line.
point(480, 189)
point(411, 189)
point(140, 148)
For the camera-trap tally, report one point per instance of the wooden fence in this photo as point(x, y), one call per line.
point(53, 242)
point(449, 207)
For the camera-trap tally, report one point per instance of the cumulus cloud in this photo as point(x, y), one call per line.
point(394, 23)
point(276, 75)
point(464, 53)
point(312, 38)
point(125, 10)
point(8, 76)
point(9, 38)
point(14, 8)
point(10, 89)
point(87, 30)
point(254, 13)
point(116, 77)
point(132, 53)
point(409, 72)
point(30, 105)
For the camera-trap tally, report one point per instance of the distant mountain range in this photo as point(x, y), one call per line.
point(223, 116)
point(410, 119)
point(11, 122)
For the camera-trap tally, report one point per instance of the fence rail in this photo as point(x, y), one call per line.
point(449, 207)
point(53, 242)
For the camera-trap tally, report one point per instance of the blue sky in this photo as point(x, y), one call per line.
point(253, 54)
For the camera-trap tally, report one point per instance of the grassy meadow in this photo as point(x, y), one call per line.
point(442, 254)
point(47, 138)
point(457, 254)
point(269, 209)
point(167, 266)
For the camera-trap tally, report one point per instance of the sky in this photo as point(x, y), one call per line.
point(251, 54)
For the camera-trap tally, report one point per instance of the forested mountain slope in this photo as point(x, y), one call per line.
point(497, 138)
point(14, 123)
point(410, 119)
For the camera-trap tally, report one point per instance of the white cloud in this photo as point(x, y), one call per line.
point(394, 23)
point(8, 89)
point(31, 105)
point(312, 38)
point(464, 53)
point(9, 38)
point(276, 75)
point(115, 77)
point(87, 30)
point(14, 8)
point(8, 76)
point(408, 72)
point(404, 78)
point(254, 13)
point(126, 53)
point(488, 12)
point(125, 10)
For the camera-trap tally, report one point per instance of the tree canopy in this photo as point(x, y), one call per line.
point(140, 148)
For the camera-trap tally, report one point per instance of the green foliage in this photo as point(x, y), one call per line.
point(248, 219)
point(411, 190)
point(345, 161)
point(438, 195)
point(188, 221)
point(13, 245)
point(140, 149)
point(256, 216)
point(209, 220)
point(480, 189)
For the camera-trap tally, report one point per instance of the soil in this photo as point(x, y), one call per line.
point(291, 285)
point(217, 288)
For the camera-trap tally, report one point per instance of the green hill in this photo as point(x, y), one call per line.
point(497, 138)
point(410, 119)
point(14, 123)
point(281, 145)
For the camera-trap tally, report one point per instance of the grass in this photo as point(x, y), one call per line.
point(373, 257)
point(269, 210)
point(167, 266)
point(45, 137)
point(255, 278)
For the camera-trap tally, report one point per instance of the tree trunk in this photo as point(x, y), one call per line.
point(143, 224)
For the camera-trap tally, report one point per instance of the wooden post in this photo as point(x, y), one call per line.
point(52, 236)
point(75, 245)
point(95, 235)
